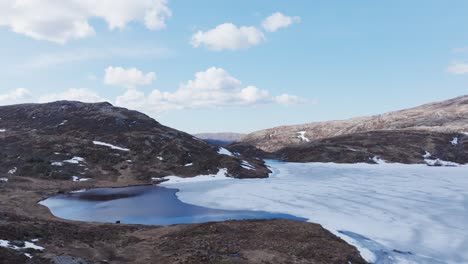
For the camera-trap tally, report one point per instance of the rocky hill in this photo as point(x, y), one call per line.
point(74, 140)
point(402, 146)
point(446, 116)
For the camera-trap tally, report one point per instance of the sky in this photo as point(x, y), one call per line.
point(235, 66)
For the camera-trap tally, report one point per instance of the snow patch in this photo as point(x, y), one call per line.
point(99, 143)
point(57, 163)
point(224, 151)
point(3, 179)
point(2, 130)
point(27, 245)
point(78, 179)
point(378, 160)
point(246, 165)
point(439, 162)
point(63, 123)
point(160, 158)
point(454, 141)
point(13, 171)
point(77, 191)
point(302, 137)
point(221, 175)
point(188, 164)
point(74, 160)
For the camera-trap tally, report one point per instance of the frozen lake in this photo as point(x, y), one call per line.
point(393, 213)
point(151, 205)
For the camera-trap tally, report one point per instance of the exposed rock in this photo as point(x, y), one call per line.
point(449, 116)
point(65, 140)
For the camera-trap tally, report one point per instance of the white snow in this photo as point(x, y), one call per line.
point(160, 158)
point(439, 162)
point(188, 164)
point(454, 141)
point(171, 180)
point(99, 143)
point(27, 245)
point(77, 191)
point(78, 179)
point(427, 155)
point(13, 171)
point(57, 163)
point(63, 123)
point(302, 137)
point(224, 151)
point(378, 160)
point(3, 179)
point(74, 160)
point(2, 130)
point(246, 165)
point(382, 209)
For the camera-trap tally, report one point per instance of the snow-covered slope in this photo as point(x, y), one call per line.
point(394, 213)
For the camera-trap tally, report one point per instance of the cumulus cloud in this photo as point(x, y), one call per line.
point(228, 36)
point(73, 94)
point(214, 87)
point(129, 78)
point(286, 99)
point(458, 68)
point(277, 21)
point(61, 21)
point(14, 96)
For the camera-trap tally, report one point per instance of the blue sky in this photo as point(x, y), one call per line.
point(334, 59)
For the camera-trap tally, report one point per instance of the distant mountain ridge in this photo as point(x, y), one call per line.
point(221, 139)
point(445, 117)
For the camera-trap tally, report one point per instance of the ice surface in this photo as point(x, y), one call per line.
point(393, 213)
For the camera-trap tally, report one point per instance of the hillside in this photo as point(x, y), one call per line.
point(401, 146)
point(446, 116)
point(65, 140)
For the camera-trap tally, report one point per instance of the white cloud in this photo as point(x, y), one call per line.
point(277, 21)
point(14, 96)
point(228, 36)
point(73, 94)
point(286, 99)
point(211, 88)
point(129, 78)
point(458, 68)
point(61, 21)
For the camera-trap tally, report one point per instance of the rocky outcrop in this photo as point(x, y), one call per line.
point(449, 116)
point(65, 140)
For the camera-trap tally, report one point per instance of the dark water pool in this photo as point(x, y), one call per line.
point(150, 205)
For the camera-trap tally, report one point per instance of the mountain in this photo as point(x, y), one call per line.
point(446, 117)
point(64, 139)
point(402, 146)
point(220, 139)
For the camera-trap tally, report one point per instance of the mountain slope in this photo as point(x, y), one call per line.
point(402, 146)
point(446, 116)
point(65, 139)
